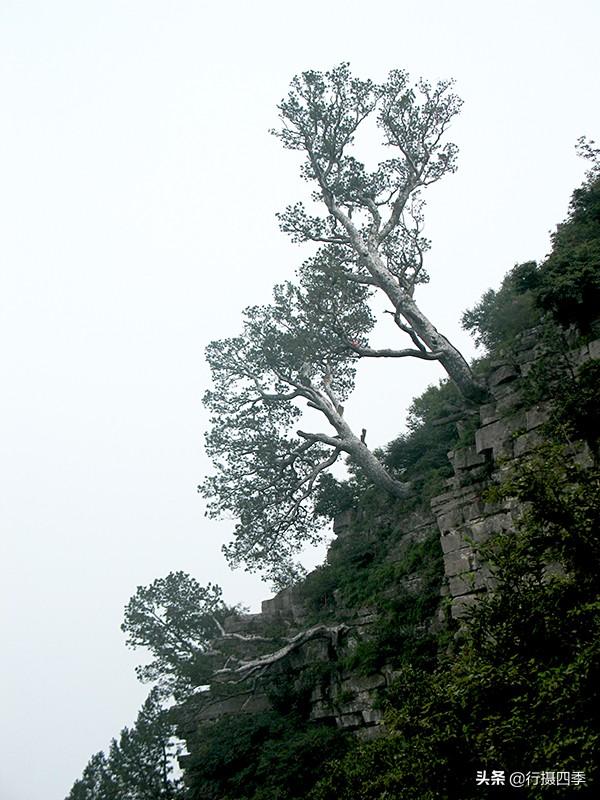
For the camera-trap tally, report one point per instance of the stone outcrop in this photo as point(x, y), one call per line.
point(508, 431)
point(338, 697)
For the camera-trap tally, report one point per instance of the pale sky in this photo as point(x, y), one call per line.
point(138, 187)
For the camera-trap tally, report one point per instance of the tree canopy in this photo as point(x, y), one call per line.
point(176, 618)
point(369, 225)
point(139, 765)
point(301, 351)
point(568, 284)
point(288, 359)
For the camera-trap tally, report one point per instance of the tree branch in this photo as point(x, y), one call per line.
point(332, 441)
point(397, 209)
point(260, 665)
point(368, 352)
point(268, 396)
point(223, 634)
point(364, 280)
point(407, 329)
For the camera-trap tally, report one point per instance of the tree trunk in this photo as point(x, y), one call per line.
point(246, 669)
point(374, 469)
point(359, 452)
point(449, 357)
point(370, 464)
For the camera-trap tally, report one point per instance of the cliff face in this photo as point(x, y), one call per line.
point(318, 655)
point(508, 430)
point(322, 662)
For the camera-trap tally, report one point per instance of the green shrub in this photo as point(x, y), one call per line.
point(521, 691)
point(503, 313)
point(267, 756)
point(568, 284)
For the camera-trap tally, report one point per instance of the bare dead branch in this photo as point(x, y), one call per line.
point(246, 669)
point(332, 441)
point(368, 352)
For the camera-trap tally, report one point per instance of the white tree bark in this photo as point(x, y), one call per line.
point(248, 669)
point(347, 441)
point(436, 344)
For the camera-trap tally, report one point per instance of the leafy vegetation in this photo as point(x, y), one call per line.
point(139, 764)
point(568, 284)
point(265, 467)
point(503, 313)
point(300, 352)
point(368, 223)
point(176, 619)
point(265, 756)
point(563, 289)
point(516, 688)
point(365, 572)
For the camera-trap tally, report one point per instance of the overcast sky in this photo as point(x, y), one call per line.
point(138, 187)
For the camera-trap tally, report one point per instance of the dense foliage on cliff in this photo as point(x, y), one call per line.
point(517, 688)
point(272, 755)
point(564, 288)
point(139, 764)
point(568, 284)
point(521, 691)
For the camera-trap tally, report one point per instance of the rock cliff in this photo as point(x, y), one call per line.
point(315, 656)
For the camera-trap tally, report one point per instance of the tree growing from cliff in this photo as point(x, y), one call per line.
point(369, 222)
point(303, 349)
point(287, 360)
point(176, 618)
point(184, 626)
